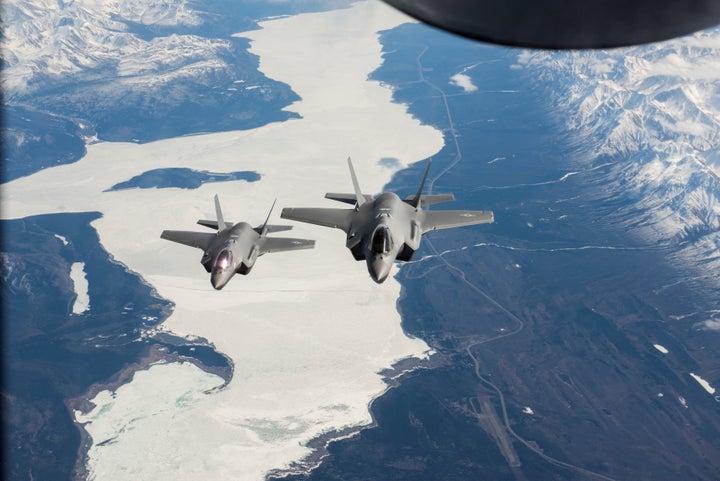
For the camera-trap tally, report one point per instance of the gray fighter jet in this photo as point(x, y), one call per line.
point(386, 228)
point(234, 248)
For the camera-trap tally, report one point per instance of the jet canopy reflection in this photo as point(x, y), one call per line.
point(224, 260)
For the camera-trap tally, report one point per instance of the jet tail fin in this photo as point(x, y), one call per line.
point(358, 193)
point(218, 213)
point(418, 197)
point(264, 228)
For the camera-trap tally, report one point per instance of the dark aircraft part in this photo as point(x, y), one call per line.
point(243, 269)
point(208, 223)
point(381, 242)
point(354, 243)
point(405, 254)
point(358, 252)
point(566, 24)
point(206, 261)
point(415, 233)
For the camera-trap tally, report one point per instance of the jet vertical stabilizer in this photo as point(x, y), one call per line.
point(218, 213)
point(358, 193)
point(418, 197)
point(264, 228)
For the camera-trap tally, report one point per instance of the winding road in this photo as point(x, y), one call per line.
point(519, 324)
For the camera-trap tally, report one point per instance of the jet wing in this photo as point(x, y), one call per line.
point(337, 218)
point(445, 219)
point(277, 244)
point(201, 240)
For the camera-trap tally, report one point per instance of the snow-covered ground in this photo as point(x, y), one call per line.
point(308, 331)
point(464, 82)
point(60, 39)
point(705, 385)
point(80, 284)
point(652, 113)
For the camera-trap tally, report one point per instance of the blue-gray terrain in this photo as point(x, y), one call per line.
point(55, 356)
point(545, 322)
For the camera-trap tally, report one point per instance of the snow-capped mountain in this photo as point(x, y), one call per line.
point(653, 113)
point(51, 43)
point(64, 41)
point(127, 71)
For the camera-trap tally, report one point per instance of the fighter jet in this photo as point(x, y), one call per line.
point(386, 228)
point(234, 248)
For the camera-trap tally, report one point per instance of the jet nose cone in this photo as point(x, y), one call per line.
point(218, 280)
point(379, 269)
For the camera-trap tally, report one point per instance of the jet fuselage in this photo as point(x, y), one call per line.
point(234, 251)
point(380, 231)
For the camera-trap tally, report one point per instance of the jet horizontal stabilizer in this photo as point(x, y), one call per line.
point(431, 199)
point(213, 224)
point(347, 198)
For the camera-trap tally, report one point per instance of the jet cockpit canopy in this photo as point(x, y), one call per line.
point(224, 260)
point(381, 242)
